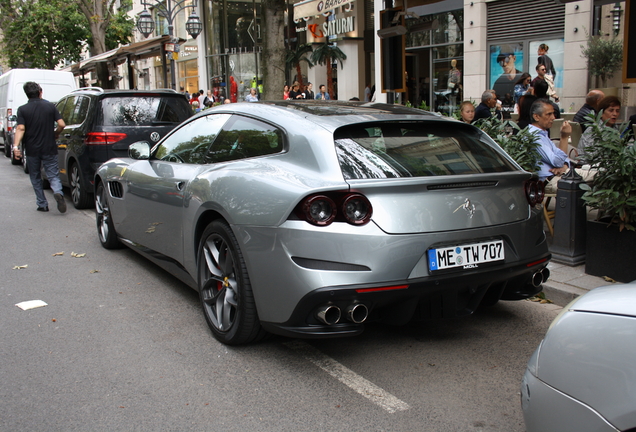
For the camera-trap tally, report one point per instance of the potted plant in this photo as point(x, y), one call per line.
point(604, 57)
point(610, 249)
point(520, 144)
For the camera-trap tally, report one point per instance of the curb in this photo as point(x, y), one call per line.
point(561, 294)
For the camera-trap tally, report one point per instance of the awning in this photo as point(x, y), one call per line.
point(140, 50)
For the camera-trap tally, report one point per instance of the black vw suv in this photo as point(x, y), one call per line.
point(101, 124)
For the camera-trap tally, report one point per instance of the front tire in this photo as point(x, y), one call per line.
point(225, 289)
point(80, 197)
point(105, 226)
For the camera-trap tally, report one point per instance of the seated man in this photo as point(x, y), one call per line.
point(611, 108)
point(591, 103)
point(554, 160)
point(488, 101)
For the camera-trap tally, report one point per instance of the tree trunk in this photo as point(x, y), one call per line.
point(273, 12)
point(299, 76)
point(329, 78)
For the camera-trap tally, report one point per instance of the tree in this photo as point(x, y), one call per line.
point(604, 56)
point(100, 14)
point(325, 54)
point(41, 34)
point(295, 57)
point(273, 13)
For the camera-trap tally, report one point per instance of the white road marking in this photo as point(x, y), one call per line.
point(348, 377)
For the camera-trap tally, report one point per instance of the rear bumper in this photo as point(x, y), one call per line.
point(447, 296)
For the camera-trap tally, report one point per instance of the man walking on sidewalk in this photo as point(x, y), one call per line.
point(35, 128)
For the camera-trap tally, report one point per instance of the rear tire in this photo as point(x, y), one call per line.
point(79, 195)
point(105, 226)
point(224, 288)
point(25, 167)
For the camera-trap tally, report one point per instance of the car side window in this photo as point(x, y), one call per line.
point(242, 138)
point(190, 142)
point(81, 110)
point(67, 110)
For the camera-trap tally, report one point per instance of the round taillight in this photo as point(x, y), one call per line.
point(532, 192)
point(540, 192)
point(319, 210)
point(357, 209)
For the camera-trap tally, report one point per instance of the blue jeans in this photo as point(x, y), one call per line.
point(51, 169)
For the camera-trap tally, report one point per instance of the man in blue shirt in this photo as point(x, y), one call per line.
point(554, 160)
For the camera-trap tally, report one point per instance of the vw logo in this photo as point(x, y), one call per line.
point(155, 136)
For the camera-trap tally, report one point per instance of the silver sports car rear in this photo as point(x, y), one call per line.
point(309, 218)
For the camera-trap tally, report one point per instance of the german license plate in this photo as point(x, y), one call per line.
point(465, 256)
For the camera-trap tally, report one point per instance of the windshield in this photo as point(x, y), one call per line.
point(417, 149)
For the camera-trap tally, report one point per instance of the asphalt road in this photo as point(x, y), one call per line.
point(123, 346)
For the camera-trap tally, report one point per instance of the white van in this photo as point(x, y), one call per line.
point(55, 85)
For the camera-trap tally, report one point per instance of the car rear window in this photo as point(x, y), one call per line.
point(146, 110)
point(415, 149)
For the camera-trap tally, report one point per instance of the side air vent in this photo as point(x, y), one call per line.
point(116, 190)
point(463, 185)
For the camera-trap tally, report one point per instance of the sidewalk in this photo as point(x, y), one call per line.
point(566, 283)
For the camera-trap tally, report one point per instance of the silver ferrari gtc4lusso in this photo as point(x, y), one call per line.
point(307, 219)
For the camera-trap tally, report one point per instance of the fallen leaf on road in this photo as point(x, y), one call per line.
point(20, 267)
point(94, 271)
point(609, 279)
point(58, 254)
point(76, 255)
point(150, 230)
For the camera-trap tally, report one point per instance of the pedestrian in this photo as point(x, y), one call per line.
point(367, 93)
point(521, 87)
point(252, 97)
point(309, 93)
point(322, 94)
point(33, 128)
point(542, 77)
point(467, 112)
point(295, 92)
point(286, 92)
point(488, 102)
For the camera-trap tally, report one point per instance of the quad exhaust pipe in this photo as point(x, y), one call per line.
point(357, 313)
point(540, 277)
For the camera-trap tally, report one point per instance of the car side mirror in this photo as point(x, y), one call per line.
point(139, 150)
point(12, 118)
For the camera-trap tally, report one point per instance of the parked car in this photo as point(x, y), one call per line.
point(55, 84)
point(309, 218)
point(100, 124)
point(582, 377)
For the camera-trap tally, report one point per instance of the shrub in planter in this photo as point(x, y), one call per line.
point(610, 245)
point(518, 143)
point(613, 191)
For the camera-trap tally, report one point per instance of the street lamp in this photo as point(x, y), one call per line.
point(169, 10)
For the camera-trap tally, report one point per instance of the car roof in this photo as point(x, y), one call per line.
point(613, 300)
point(329, 114)
point(98, 91)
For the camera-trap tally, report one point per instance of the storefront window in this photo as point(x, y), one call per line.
point(233, 47)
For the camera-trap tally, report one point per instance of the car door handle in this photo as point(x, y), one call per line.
point(179, 185)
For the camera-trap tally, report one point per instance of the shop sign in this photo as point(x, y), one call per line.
point(334, 27)
point(317, 7)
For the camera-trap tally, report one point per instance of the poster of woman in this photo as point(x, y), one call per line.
point(550, 54)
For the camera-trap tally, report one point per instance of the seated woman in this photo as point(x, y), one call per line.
point(610, 107)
